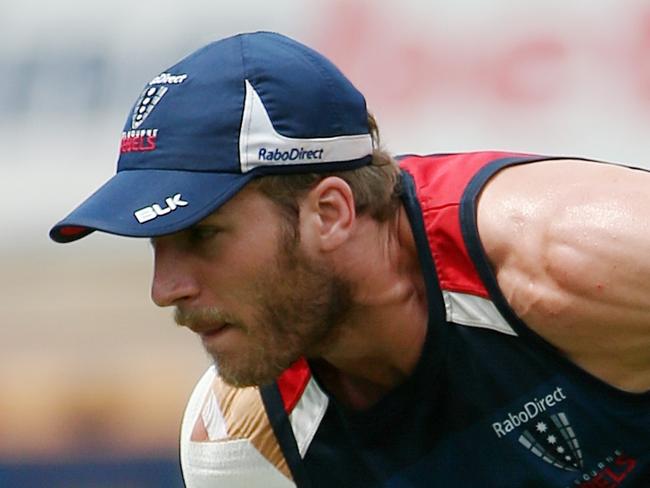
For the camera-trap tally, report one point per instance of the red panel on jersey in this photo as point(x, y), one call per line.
point(439, 187)
point(292, 383)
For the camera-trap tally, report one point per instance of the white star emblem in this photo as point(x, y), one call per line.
point(541, 427)
point(551, 439)
point(560, 449)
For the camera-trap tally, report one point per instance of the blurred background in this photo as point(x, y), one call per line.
point(93, 377)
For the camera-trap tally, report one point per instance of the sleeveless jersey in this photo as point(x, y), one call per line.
point(489, 404)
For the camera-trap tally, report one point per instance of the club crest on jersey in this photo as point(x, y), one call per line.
point(545, 431)
point(554, 440)
point(547, 435)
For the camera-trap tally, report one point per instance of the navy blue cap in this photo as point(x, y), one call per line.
point(245, 106)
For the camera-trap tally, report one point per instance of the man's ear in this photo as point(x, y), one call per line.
point(327, 214)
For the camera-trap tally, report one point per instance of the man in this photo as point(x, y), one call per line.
point(458, 320)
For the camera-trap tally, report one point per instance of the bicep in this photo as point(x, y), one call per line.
point(569, 242)
point(595, 245)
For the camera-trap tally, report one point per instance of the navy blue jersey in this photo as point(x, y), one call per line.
point(490, 403)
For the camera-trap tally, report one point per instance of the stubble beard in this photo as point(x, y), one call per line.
point(301, 305)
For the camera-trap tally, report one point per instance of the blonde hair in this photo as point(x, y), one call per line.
point(376, 187)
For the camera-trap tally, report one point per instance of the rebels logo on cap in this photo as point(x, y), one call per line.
point(148, 100)
point(152, 95)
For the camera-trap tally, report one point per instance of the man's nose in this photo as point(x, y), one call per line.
point(173, 282)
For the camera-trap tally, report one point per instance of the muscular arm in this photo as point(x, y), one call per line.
point(570, 244)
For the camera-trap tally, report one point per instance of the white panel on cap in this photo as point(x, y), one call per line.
point(259, 140)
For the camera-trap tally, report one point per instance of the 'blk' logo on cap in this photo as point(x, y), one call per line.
point(153, 211)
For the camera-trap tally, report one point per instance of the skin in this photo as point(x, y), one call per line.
point(566, 240)
point(569, 241)
point(229, 269)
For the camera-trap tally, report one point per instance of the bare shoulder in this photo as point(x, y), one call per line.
point(569, 242)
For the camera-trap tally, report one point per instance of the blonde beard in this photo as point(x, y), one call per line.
point(299, 306)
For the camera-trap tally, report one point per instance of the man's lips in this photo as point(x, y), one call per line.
point(208, 329)
point(205, 322)
point(207, 334)
point(218, 337)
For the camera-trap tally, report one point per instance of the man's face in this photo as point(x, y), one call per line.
point(241, 280)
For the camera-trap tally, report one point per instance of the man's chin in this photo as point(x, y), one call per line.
point(244, 378)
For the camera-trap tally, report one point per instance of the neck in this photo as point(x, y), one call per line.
point(380, 342)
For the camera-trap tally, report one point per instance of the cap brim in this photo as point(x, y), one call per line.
point(166, 201)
